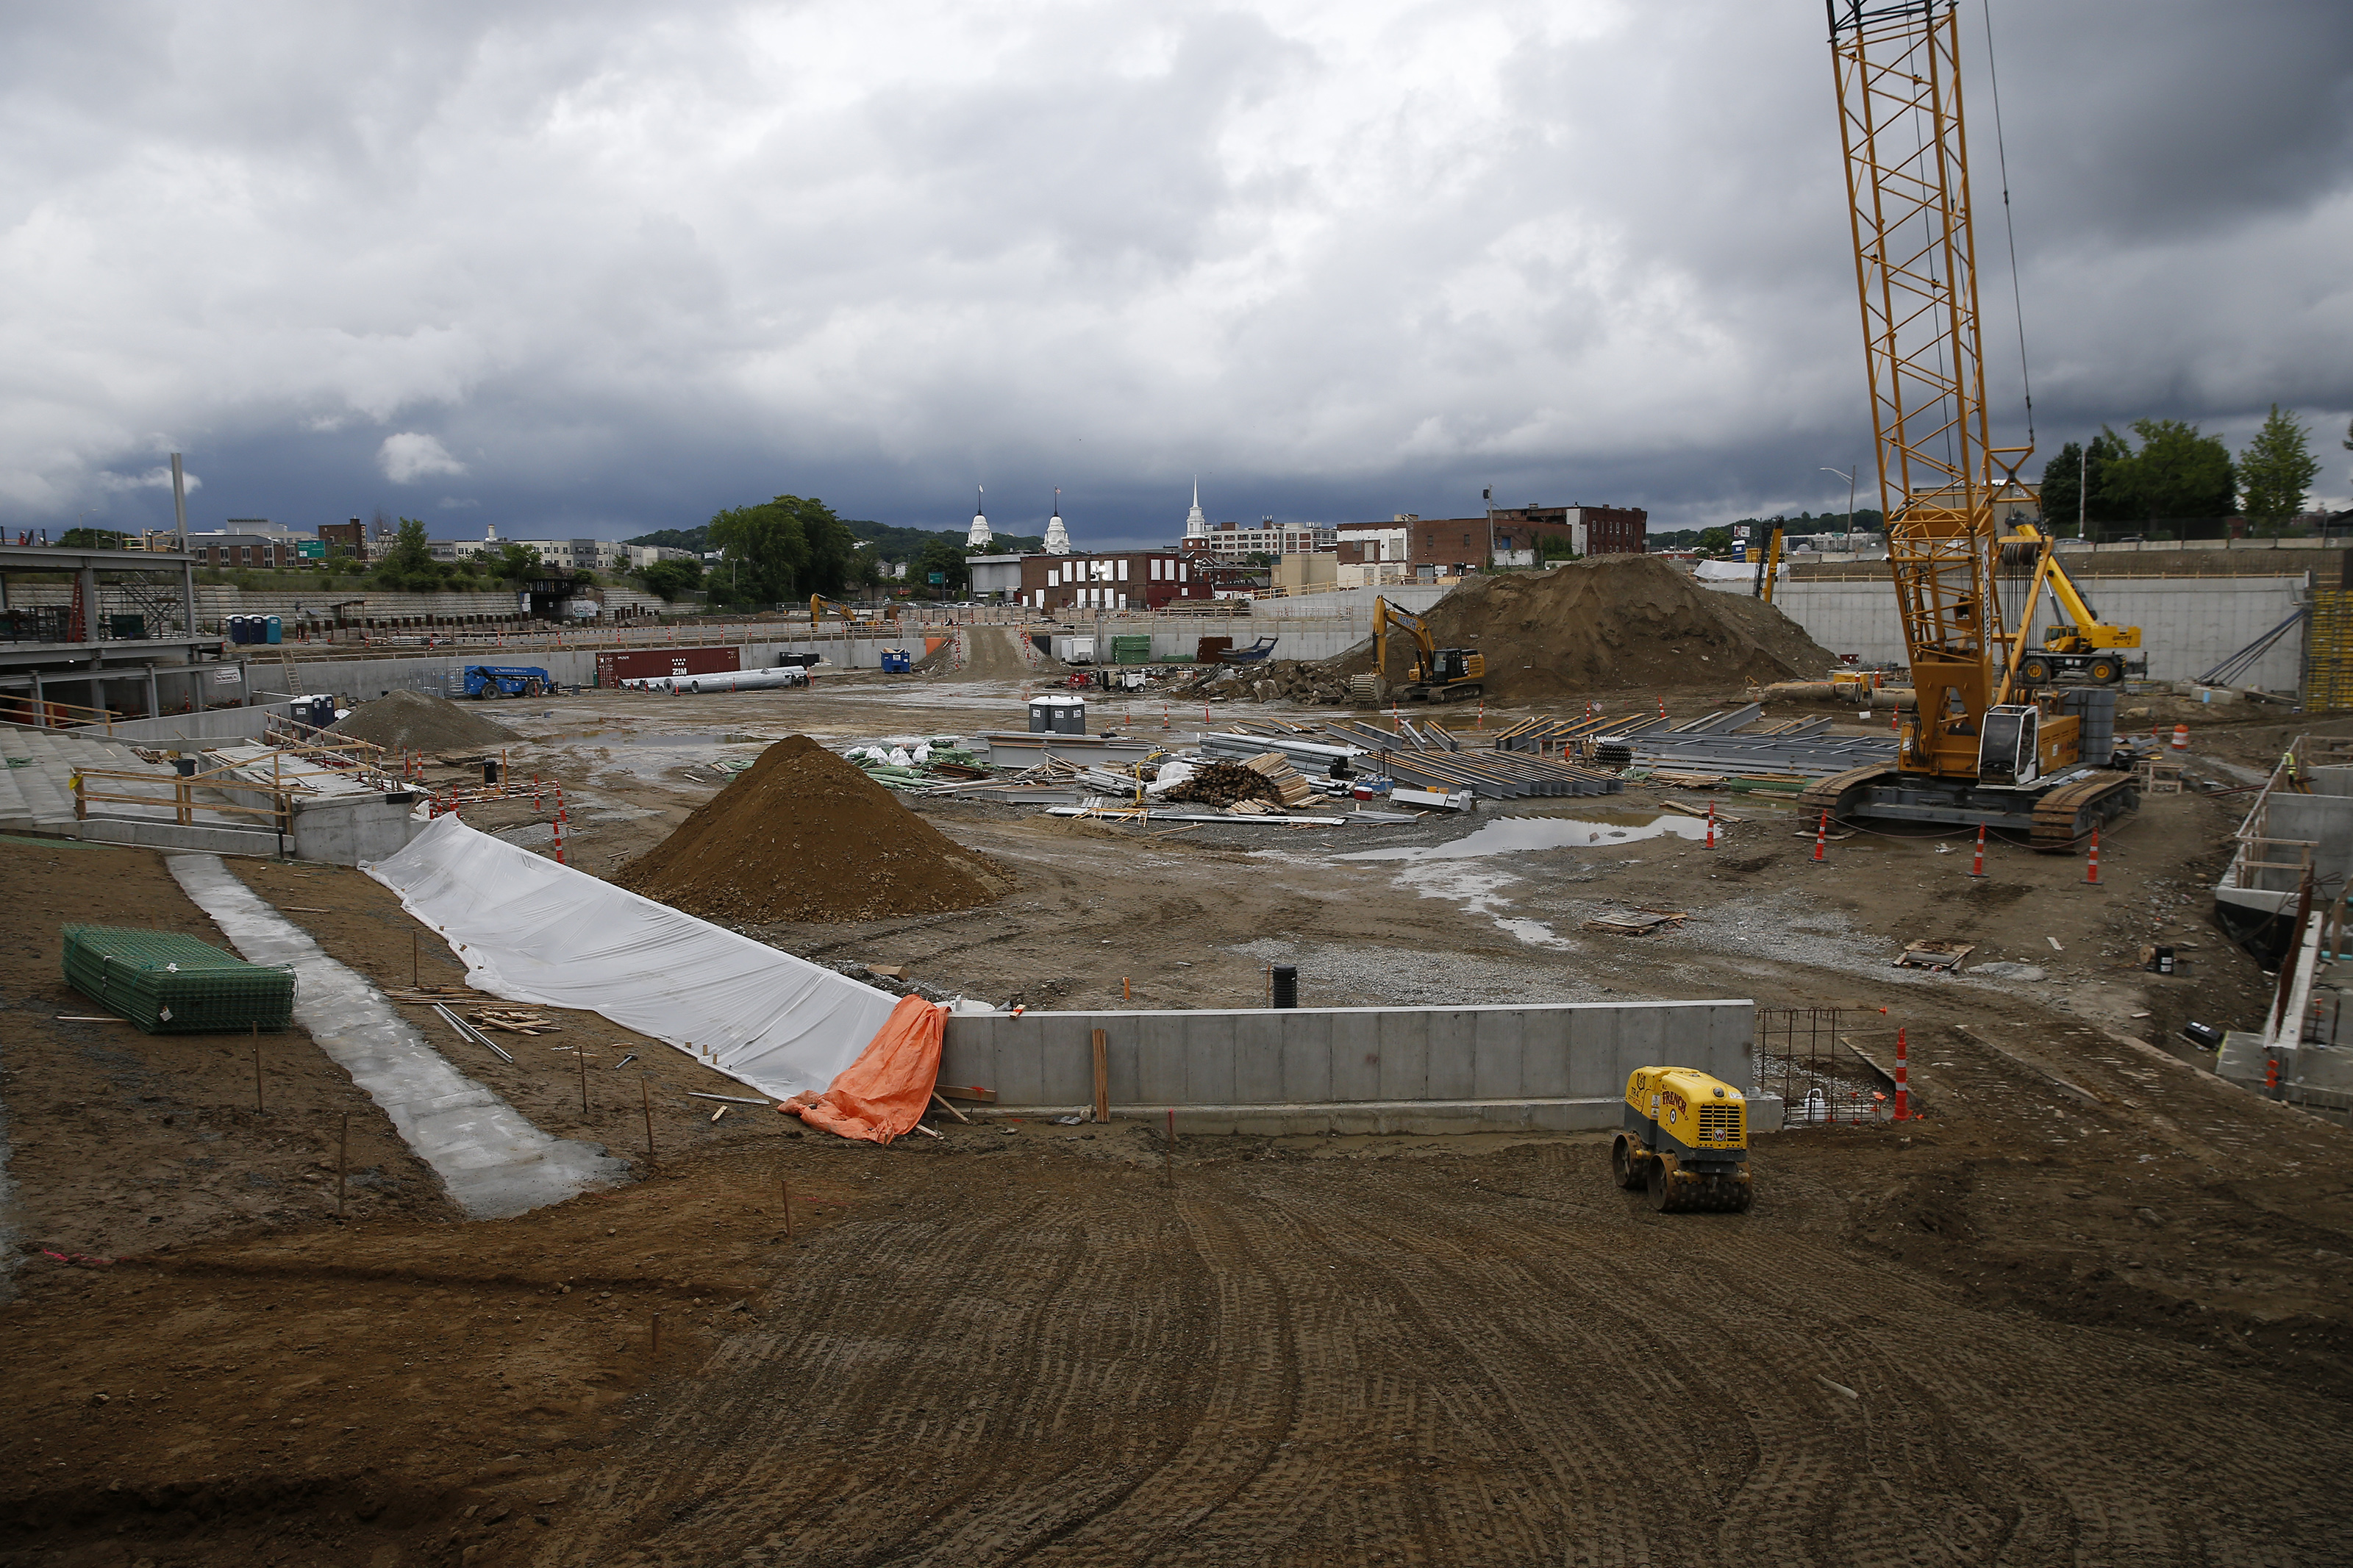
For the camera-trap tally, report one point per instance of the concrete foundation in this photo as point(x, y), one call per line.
point(1558, 1067)
point(2189, 624)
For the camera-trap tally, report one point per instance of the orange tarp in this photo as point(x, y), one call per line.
point(884, 1092)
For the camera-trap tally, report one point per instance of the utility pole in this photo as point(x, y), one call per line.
point(1488, 496)
point(2083, 476)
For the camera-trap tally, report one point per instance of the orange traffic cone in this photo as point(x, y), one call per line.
point(1977, 866)
point(1711, 823)
point(2181, 737)
point(1821, 836)
point(2091, 867)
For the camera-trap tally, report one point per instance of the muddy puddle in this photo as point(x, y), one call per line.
point(1512, 833)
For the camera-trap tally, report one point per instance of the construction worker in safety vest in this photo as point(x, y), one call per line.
point(2287, 765)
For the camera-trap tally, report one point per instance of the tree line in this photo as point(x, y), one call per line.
point(2181, 481)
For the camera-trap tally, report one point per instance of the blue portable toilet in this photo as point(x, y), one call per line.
point(277, 630)
point(239, 630)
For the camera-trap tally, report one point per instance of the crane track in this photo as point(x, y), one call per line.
point(2063, 817)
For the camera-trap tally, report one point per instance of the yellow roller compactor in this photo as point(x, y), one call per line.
point(1686, 1141)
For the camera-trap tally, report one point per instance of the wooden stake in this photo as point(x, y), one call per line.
point(342, 1161)
point(580, 1053)
point(656, 1336)
point(256, 1069)
point(646, 1095)
point(951, 1109)
point(1169, 1156)
point(784, 1195)
point(414, 979)
point(1103, 1080)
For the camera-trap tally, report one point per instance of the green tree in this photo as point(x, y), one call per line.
point(944, 554)
point(512, 563)
point(2276, 470)
point(407, 562)
point(672, 579)
point(89, 539)
point(2178, 473)
point(1715, 540)
point(783, 549)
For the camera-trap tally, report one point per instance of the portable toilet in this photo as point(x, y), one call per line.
point(240, 629)
point(276, 630)
point(1057, 715)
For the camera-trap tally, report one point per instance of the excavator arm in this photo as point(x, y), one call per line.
point(1387, 615)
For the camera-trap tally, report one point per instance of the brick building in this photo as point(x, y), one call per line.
point(1448, 546)
point(234, 550)
point(346, 538)
point(1112, 580)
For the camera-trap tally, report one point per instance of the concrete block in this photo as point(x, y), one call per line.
point(1597, 1064)
point(1497, 1054)
point(1258, 1058)
point(1454, 1039)
point(1306, 1048)
point(1066, 1066)
point(1356, 1056)
point(1209, 1057)
point(1160, 1059)
point(1402, 1039)
point(1123, 1055)
point(1544, 1053)
point(1020, 1061)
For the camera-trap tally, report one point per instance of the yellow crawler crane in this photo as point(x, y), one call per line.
point(1686, 1141)
point(1979, 748)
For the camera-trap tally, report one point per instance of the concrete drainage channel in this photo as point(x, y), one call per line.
point(491, 1159)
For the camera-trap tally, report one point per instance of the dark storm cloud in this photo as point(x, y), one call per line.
point(612, 267)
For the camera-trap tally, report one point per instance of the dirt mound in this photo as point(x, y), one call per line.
point(414, 721)
point(1608, 624)
point(803, 834)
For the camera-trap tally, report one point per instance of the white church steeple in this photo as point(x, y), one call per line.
point(1058, 538)
point(979, 534)
point(1197, 524)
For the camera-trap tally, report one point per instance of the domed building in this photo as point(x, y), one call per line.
point(1058, 538)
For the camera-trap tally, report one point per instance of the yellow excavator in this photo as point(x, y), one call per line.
point(1982, 746)
point(1437, 674)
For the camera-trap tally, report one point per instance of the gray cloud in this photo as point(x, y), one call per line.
point(623, 263)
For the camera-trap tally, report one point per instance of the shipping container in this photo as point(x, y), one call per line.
point(612, 668)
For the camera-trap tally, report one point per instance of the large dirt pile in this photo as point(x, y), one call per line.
point(414, 721)
point(803, 834)
point(1610, 624)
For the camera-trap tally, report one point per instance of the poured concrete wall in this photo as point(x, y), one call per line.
point(2188, 625)
point(1561, 1067)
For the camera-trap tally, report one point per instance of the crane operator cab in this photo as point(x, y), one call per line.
point(2019, 745)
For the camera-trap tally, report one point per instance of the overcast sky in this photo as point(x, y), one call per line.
point(599, 267)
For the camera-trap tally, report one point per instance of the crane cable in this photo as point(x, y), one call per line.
point(2001, 157)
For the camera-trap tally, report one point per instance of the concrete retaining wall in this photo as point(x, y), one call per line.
point(1387, 1070)
point(2188, 625)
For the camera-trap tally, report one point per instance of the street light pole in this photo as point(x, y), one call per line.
point(1488, 496)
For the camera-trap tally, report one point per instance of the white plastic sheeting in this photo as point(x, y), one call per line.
point(531, 930)
point(492, 1158)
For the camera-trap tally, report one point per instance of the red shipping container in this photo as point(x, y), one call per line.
point(612, 668)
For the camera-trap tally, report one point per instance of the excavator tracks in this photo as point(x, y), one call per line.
point(2066, 816)
point(2063, 817)
point(1828, 793)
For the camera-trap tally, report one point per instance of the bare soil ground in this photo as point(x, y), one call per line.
point(2090, 1309)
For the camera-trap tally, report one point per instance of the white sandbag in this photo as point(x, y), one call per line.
point(1171, 775)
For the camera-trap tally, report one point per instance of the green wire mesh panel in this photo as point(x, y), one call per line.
point(173, 984)
point(2328, 651)
point(1131, 649)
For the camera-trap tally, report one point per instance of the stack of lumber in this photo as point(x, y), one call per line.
point(1276, 769)
point(1223, 783)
